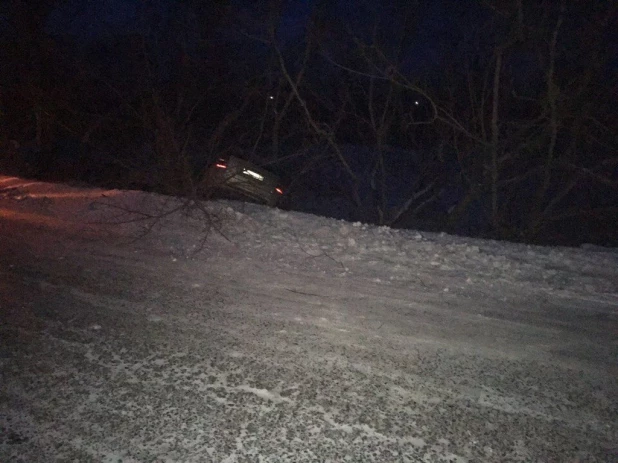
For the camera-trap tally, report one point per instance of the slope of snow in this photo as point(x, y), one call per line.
point(430, 347)
point(310, 242)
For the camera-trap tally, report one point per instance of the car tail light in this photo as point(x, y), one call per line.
point(279, 190)
point(221, 164)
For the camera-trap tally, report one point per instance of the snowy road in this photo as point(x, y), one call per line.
point(301, 340)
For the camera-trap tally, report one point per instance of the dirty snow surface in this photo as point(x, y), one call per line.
point(287, 337)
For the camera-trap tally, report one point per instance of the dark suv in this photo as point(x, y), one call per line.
point(243, 178)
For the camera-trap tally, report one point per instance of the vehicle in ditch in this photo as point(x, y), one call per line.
point(241, 179)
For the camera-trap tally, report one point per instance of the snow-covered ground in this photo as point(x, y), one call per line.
point(287, 337)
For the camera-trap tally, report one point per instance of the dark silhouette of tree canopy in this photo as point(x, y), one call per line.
point(490, 118)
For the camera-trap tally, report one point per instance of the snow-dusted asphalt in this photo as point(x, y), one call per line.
point(301, 339)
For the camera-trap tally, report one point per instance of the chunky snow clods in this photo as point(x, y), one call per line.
point(130, 334)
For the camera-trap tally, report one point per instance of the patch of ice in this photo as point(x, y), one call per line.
point(263, 394)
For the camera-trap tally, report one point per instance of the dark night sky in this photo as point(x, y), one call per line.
point(93, 20)
point(97, 20)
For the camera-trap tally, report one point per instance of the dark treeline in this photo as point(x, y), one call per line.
point(489, 118)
